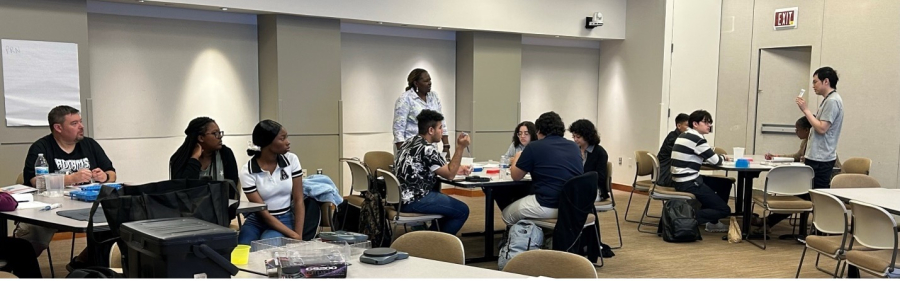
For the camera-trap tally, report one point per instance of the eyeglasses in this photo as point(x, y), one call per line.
point(218, 134)
point(522, 134)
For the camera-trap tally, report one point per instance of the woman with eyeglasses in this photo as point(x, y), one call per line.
point(525, 133)
point(202, 155)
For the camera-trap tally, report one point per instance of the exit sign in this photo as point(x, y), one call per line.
point(786, 18)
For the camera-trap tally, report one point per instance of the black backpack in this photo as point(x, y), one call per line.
point(679, 222)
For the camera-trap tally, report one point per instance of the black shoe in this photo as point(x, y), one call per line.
point(76, 264)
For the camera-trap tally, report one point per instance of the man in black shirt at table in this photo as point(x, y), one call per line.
point(68, 151)
point(665, 151)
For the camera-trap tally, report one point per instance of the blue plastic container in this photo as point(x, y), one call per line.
point(84, 195)
point(742, 163)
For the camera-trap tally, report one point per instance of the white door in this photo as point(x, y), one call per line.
point(695, 59)
point(783, 72)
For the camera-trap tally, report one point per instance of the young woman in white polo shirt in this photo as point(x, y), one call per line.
point(272, 176)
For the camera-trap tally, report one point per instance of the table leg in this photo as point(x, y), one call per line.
point(739, 195)
point(488, 228)
point(3, 228)
point(747, 204)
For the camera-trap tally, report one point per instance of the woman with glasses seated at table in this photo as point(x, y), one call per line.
point(202, 155)
point(524, 134)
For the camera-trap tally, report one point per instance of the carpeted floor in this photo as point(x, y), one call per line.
point(643, 255)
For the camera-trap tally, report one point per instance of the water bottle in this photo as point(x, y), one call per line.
point(504, 167)
point(41, 169)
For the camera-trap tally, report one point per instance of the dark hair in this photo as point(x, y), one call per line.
point(414, 76)
point(550, 124)
point(586, 130)
point(532, 132)
point(195, 128)
point(58, 115)
point(827, 73)
point(263, 134)
point(681, 118)
point(803, 123)
point(699, 115)
point(428, 119)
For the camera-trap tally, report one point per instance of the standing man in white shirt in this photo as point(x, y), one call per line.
point(418, 96)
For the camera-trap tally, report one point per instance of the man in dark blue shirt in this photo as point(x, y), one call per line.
point(552, 160)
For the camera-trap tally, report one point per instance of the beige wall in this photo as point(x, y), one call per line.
point(864, 52)
point(58, 21)
point(559, 79)
point(146, 90)
point(630, 75)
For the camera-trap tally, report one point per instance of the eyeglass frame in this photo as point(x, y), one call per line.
point(218, 135)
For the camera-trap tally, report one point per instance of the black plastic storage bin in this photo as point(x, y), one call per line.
point(178, 248)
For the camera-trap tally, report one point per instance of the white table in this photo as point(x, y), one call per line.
point(51, 220)
point(889, 199)
point(412, 267)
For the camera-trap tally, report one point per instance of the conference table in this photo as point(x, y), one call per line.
point(50, 219)
point(411, 267)
point(487, 188)
point(888, 199)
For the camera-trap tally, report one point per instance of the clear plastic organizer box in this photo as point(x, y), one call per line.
point(316, 251)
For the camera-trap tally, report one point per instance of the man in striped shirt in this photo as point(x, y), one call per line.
point(688, 154)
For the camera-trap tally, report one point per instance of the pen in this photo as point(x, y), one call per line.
point(51, 207)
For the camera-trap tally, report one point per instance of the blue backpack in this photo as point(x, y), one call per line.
point(523, 236)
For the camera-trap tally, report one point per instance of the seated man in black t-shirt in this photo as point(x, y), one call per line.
point(552, 160)
point(66, 150)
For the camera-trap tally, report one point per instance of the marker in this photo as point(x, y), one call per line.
point(51, 207)
point(802, 91)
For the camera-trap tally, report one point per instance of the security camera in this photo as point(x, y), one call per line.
point(595, 21)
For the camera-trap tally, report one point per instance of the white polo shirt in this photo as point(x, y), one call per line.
point(275, 188)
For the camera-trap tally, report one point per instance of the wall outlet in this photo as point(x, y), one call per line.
point(305, 173)
point(620, 161)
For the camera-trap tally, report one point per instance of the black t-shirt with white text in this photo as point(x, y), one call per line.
point(87, 155)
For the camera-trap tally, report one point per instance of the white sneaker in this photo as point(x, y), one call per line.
point(716, 227)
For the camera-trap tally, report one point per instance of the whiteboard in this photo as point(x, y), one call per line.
point(38, 76)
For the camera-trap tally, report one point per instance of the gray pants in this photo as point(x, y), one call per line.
point(38, 236)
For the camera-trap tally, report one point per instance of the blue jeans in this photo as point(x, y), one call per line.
point(254, 228)
point(455, 212)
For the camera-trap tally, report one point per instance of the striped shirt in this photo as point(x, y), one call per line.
point(688, 153)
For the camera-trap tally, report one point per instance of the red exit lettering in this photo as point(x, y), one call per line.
point(785, 18)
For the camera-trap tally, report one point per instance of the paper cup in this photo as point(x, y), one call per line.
point(738, 152)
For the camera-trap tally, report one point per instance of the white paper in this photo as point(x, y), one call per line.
point(27, 197)
point(782, 159)
point(38, 76)
point(32, 205)
point(18, 188)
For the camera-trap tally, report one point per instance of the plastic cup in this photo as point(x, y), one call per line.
point(738, 152)
point(240, 254)
point(55, 184)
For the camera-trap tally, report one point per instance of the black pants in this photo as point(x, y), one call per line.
point(19, 257)
point(822, 179)
point(713, 197)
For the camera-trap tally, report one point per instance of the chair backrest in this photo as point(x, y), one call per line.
point(115, 256)
point(853, 180)
point(392, 184)
point(609, 171)
point(873, 226)
point(378, 160)
point(642, 164)
point(432, 245)
point(829, 213)
point(856, 165)
point(655, 165)
point(359, 176)
point(790, 180)
point(553, 264)
point(720, 151)
point(7, 275)
point(20, 179)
